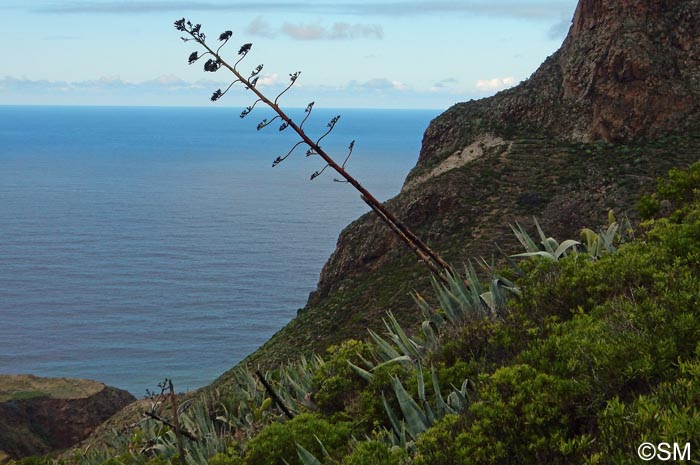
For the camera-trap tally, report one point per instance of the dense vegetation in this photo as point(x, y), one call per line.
point(578, 352)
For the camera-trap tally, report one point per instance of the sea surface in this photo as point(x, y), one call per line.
point(143, 243)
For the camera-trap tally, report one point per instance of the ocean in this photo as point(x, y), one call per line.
point(138, 243)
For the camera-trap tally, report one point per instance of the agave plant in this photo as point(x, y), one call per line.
point(592, 243)
point(608, 240)
point(465, 298)
point(417, 415)
point(548, 247)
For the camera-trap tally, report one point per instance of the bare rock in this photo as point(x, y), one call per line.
point(43, 415)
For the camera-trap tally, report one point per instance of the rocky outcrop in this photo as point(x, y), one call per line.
point(42, 415)
point(628, 70)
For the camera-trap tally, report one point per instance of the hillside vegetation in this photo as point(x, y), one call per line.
point(577, 352)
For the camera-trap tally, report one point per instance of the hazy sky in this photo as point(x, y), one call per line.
point(392, 54)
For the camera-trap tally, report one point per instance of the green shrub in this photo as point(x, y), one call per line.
point(438, 444)
point(522, 416)
point(225, 459)
point(669, 413)
point(277, 442)
point(375, 453)
point(336, 383)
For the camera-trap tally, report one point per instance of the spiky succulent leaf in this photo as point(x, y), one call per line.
point(564, 246)
point(307, 457)
point(364, 374)
point(416, 419)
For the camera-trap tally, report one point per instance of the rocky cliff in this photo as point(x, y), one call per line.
point(42, 415)
point(613, 109)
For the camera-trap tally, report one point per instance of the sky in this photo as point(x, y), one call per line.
point(366, 54)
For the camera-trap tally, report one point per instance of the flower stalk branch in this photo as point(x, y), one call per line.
point(438, 266)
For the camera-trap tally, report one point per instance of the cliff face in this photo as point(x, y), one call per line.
point(613, 109)
point(629, 70)
point(42, 415)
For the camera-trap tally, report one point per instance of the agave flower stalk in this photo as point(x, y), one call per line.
point(215, 61)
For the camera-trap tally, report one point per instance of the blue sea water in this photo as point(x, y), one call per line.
point(144, 243)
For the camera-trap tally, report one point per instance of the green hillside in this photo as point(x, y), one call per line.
point(576, 353)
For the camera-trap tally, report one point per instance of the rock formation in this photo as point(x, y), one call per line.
point(42, 415)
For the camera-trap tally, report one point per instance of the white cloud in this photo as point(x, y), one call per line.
point(338, 31)
point(261, 28)
point(490, 85)
point(268, 80)
point(378, 84)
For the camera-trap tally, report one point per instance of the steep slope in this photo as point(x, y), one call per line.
point(615, 108)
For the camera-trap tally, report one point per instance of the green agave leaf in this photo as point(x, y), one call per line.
point(549, 244)
point(459, 398)
point(490, 301)
point(430, 335)
point(401, 358)
point(393, 418)
point(385, 350)
point(323, 448)
point(609, 237)
point(416, 420)
point(442, 407)
point(474, 287)
point(300, 390)
point(368, 363)
point(407, 345)
point(364, 374)
point(421, 382)
point(306, 457)
point(564, 246)
point(524, 238)
point(541, 253)
point(403, 436)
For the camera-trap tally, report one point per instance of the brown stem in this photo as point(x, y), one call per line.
point(167, 422)
point(273, 395)
point(421, 255)
point(431, 258)
point(176, 421)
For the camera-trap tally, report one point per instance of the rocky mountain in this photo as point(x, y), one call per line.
point(591, 130)
point(42, 415)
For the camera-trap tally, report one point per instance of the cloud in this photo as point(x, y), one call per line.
point(109, 82)
point(268, 80)
point(449, 82)
point(532, 10)
point(559, 30)
point(489, 85)
point(378, 84)
point(448, 85)
point(261, 28)
point(339, 31)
